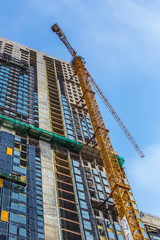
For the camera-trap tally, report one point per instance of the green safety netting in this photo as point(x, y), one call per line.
point(120, 160)
point(40, 133)
point(45, 135)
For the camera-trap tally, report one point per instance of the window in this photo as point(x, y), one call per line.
point(19, 169)
point(22, 231)
point(117, 227)
point(13, 229)
point(95, 172)
point(40, 235)
point(15, 195)
point(78, 178)
point(99, 187)
point(89, 235)
point(101, 196)
point(81, 195)
point(105, 182)
point(111, 235)
point(97, 179)
point(103, 174)
point(80, 187)
point(120, 237)
point(77, 171)
point(85, 214)
point(87, 225)
point(83, 204)
point(16, 152)
point(16, 160)
point(107, 189)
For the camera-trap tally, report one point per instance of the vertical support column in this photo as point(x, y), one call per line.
point(44, 117)
point(51, 222)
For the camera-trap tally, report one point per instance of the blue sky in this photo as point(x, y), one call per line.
point(120, 41)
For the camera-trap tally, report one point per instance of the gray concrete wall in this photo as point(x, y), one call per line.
point(51, 219)
point(50, 205)
point(150, 219)
point(43, 105)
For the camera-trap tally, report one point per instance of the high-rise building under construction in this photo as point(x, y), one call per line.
point(52, 180)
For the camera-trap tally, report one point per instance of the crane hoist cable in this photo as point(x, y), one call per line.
point(119, 190)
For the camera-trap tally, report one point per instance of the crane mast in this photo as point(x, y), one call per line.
point(119, 190)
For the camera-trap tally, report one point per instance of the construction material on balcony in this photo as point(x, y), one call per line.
point(20, 180)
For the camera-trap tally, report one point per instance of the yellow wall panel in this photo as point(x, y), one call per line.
point(4, 216)
point(102, 238)
point(1, 182)
point(9, 151)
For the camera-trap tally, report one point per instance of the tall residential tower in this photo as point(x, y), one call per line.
point(52, 179)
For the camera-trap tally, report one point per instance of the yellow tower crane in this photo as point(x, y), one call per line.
point(119, 190)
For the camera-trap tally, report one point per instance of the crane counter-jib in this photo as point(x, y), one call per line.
point(119, 190)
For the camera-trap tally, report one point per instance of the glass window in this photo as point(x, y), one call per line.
point(111, 235)
point(19, 169)
point(138, 215)
point(120, 237)
point(40, 223)
point(16, 152)
point(101, 195)
point(22, 197)
point(39, 188)
point(39, 192)
point(95, 172)
point(87, 225)
point(83, 205)
point(103, 174)
point(89, 235)
point(105, 182)
point(22, 231)
point(39, 202)
point(40, 212)
point(22, 219)
point(146, 236)
point(39, 207)
point(77, 171)
point(41, 235)
point(22, 208)
point(39, 197)
point(81, 195)
point(78, 178)
point(13, 229)
point(38, 174)
point(97, 179)
point(14, 205)
point(14, 217)
point(141, 224)
point(107, 189)
point(85, 214)
point(15, 195)
point(118, 227)
point(16, 160)
point(99, 187)
point(80, 186)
